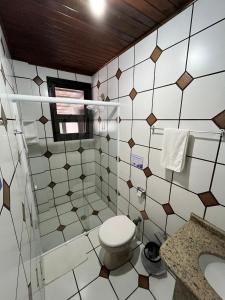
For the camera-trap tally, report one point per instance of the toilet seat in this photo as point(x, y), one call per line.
point(116, 231)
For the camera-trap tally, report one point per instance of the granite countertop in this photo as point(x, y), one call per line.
point(181, 254)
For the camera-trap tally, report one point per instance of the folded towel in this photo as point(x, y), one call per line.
point(174, 150)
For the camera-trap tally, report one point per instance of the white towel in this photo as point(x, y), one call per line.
point(174, 150)
point(30, 131)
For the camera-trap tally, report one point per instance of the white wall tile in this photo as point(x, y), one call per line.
point(196, 175)
point(125, 107)
point(144, 75)
point(199, 144)
point(145, 47)
point(197, 100)
point(142, 105)
point(113, 87)
point(83, 78)
point(103, 74)
point(184, 203)
point(171, 64)
point(126, 83)
point(166, 103)
point(113, 67)
point(218, 187)
point(155, 212)
point(207, 13)
point(44, 72)
point(158, 189)
point(173, 224)
point(175, 30)
point(125, 130)
point(207, 57)
point(216, 215)
point(66, 75)
point(23, 69)
point(141, 132)
point(126, 59)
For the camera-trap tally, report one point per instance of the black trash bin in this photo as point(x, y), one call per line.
point(151, 260)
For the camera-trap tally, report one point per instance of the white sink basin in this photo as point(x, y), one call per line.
point(213, 268)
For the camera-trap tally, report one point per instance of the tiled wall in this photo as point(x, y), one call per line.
point(58, 168)
point(175, 77)
point(20, 272)
point(106, 151)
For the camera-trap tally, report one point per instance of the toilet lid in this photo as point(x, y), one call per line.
point(116, 231)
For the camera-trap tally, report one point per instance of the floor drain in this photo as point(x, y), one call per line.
point(83, 218)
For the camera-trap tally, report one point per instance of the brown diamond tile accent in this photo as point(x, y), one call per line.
point(147, 172)
point(208, 199)
point(82, 177)
point(219, 120)
point(23, 212)
point(81, 149)
point(143, 282)
point(104, 272)
point(118, 74)
point(95, 212)
point(52, 184)
point(48, 154)
point(61, 227)
point(6, 195)
point(101, 178)
point(129, 183)
point(69, 193)
point(151, 119)
point(43, 120)
point(99, 119)
point(108, 138)
point(38, 80)
point(67, 166)
point(108, 170)
point(133, 94)
point(3, 118)
point(184, 80)
point(168, 209)
point(131, 143)
point(74, 209)
point(144, 215)
point(98, 84)
point(108, 198)
point(156, 54)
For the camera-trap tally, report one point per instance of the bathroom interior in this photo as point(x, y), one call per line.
point(112, 166)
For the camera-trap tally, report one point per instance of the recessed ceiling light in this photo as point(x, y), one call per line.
point(97, 7)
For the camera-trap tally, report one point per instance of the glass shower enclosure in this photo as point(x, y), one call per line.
point(74, 181)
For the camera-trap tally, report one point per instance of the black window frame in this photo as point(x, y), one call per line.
point(53, 83)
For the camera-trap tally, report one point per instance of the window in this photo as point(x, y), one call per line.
point(70, 121)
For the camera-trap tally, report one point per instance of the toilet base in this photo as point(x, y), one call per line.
point(113, 260)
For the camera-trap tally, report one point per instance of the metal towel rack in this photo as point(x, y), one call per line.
point(221, 132)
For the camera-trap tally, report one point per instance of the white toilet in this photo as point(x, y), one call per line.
point(116, 235)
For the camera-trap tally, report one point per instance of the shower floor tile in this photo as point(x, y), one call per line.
point(73, 230)
point(66, 221)
point(92, 281)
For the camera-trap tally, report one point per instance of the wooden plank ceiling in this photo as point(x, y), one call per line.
point(64, 34)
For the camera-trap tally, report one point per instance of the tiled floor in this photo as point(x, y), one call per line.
point(66, 221)
point(92, 281)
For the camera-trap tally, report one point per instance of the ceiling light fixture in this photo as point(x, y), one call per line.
point(97, 7)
